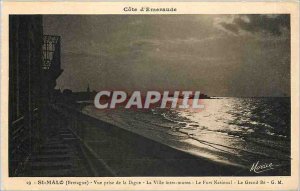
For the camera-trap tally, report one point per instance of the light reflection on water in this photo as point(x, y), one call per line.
point(239, 131)
point(242, 128)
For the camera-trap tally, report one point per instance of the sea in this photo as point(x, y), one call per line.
point(236, 131)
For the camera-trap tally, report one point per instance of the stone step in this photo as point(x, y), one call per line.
point(53, 173)
point(51, 147)
point(69, 138)
point(59, 165)
point(59, 144)
point(51, 158)
point(65, 132)
point(67, 135)
point(54, 152)
point(50, 142)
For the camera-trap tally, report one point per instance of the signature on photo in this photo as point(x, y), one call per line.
point(258, 167)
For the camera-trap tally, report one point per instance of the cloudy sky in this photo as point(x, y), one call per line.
point(220, 55)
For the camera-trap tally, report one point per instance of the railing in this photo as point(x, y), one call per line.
point(20, 141)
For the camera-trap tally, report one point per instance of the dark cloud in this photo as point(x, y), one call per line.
point(231, 27)
point(174, 52)
point(259, 23)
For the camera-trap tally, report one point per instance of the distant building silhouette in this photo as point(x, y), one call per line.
point(88, 89)
point(83, 96)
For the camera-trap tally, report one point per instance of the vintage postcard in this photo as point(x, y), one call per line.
point(149, 95)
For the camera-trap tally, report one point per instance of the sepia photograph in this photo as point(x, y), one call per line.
point(171, 95)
